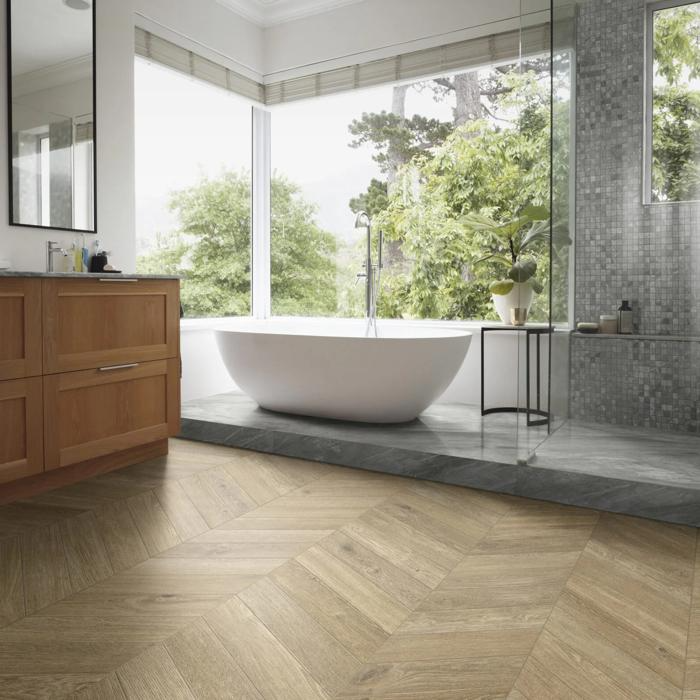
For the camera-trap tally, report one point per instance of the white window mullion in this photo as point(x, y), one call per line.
point(262, 172)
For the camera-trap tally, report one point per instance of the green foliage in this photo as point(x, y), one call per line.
point(677, 43)
point(676, 105)
point(396, 139)
point(676, 152)
point(480, 170)
point(211, 249)
point(374, 200)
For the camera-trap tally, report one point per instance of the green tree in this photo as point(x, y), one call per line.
point(496, 167)
point(676, 105)
point(211, 249)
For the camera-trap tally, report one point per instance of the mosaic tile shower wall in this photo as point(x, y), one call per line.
point(625, 249)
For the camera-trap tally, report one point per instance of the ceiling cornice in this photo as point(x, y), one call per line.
point(266, 13)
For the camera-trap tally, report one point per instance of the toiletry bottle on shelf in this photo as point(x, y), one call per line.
point(625, 320)
point(86, 256)
point(77, 255)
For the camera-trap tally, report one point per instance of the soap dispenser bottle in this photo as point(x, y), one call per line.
point(625, 318)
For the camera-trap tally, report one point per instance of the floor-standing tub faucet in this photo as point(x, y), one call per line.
point(372, 273)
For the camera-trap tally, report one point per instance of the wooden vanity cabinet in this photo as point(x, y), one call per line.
point(108, 321)
point(90, 376)
point(97, 412)
point(20, 328)
point(21, 428)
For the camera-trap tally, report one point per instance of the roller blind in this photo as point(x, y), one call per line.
point(470, 53)
point(169, 54)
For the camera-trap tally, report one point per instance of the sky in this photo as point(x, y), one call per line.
point(186, 129)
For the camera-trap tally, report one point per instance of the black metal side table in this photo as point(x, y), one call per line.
point(530, 331)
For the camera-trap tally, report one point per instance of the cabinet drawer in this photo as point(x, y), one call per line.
point(21, 429)
point(20, 334)
point(101, 411)
point(90, 323)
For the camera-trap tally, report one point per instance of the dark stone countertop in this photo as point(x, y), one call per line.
point(87, 275)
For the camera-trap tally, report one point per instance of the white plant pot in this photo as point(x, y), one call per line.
point(520, 297)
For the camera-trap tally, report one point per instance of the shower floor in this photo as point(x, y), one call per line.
point(627, 470)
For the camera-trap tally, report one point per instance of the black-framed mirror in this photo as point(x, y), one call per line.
point(51, 114)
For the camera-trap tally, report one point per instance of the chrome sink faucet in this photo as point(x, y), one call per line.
point(371, 274)
point(53, 247)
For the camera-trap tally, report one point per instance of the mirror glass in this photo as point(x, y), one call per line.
point(52, 113)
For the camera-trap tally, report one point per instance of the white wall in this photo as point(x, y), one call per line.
point(372, 25)
point(25, 247)
point(209, 29)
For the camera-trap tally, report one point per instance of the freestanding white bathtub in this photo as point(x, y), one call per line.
point(330, 370)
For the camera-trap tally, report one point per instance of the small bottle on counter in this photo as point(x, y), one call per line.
point(608, 324)
point(625, 318)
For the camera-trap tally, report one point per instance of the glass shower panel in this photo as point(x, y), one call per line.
point(562, 207)
point(532, 242)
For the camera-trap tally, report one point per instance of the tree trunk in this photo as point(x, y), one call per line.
point(468, 98)
point(394, 155)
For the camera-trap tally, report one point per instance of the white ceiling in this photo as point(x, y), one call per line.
point(268, 12)
point(48, 33)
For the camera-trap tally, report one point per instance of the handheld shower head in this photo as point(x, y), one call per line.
point(362, 220)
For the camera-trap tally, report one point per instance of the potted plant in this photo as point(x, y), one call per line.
point(513, 248)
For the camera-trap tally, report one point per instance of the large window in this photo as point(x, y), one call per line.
point(673, 158)
point(453, 169)
point(193, 189)
point(425, 159)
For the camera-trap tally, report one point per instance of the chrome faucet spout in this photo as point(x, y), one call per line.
point(371, 273)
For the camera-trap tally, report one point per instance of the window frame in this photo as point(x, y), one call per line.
point(648, 143)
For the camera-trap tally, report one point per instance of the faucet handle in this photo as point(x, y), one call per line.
point(359, 276)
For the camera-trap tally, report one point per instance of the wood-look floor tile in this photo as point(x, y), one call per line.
point(156, 530)
point(32, 686)
point(356, 632)
point(260, 479)
point(153, 676)
point(217, 496)
point(23, 517)
point(359, 591)
point(483, 507)
point(379, 536)
point(330, 664)
point(87, 495)
point(45, 568)
point(11, 581)
point(86, 555)
point(236, 550)
point(396, 582)
point(182, 513)
point(490, 677)
point(246, 536)
point(436, 521)
point(206, 666)
point(108, 688)
point(272, 668)
point(121, 537)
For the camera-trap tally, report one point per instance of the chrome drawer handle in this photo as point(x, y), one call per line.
point(117, 279)
point(113, 367)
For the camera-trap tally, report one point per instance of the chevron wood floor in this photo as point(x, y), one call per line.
point(220, 573)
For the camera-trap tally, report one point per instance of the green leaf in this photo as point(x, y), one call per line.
point(536, 285)
point(501, 287)
point(536, 213)
point(523, 270)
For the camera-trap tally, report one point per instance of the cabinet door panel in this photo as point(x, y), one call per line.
point(21, 429)
point(90, 323)
point(101, 411)
point(20, 337)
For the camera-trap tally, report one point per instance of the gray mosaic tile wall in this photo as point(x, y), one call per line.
point(645, 383)
point(625, 249)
